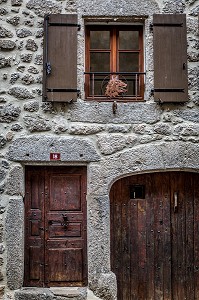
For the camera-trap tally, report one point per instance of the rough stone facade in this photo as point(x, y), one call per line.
point(141, 137)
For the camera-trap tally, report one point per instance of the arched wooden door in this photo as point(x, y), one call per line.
point(155, 236)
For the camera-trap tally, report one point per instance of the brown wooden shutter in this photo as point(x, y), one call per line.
point(60, 58)
point(170, 58)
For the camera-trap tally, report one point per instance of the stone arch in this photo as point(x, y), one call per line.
point(142, 159)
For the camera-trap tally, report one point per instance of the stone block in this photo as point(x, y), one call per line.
point(2, 291)
point(22, 33)
point(15, 181)
point(127, 113)
point(31, 45)
point(3, 11)
point(14, 77)
point(59, 125)
point(194, 11)
point(34, 294)
point(36, 123)
point(20, 93)
point(2, 141)
point(14, 20)
point(4, 33)
point(26, 57)
point(83, 129)
point(16, 127)
point(113, 128)
point(162, 128)
point(27, 79)
point(33, 70)
point(38, 148)
point(14, 243)
point(177, 6)
point(107, 286)
point(191, 115)
point(2, 174)
point(42, 8)
point(31, 106)
point(38, 59)
point(16, 2)
point(111, 143)
point(115, 8)
point(7, 45)
point(4, 62)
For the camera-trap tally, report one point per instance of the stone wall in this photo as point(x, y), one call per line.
point(140, 137)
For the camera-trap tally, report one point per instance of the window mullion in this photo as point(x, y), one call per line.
point(114, 50)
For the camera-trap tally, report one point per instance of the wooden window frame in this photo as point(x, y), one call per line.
point(114, 61)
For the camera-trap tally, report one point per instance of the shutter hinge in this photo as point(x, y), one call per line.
point(165, 25)
point(63, 90)
point(61, 24)
point(65, 24)
point(48, 68)
point(164, 90)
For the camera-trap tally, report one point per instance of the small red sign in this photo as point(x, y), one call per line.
point(55, 156)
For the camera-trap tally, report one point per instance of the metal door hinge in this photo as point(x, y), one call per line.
point(48, 68)
point(175, 208)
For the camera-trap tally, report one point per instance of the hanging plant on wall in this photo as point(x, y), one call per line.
point(115, 87)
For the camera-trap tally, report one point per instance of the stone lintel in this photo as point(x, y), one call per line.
point(38, 149)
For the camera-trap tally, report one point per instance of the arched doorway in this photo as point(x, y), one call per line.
point(155, 236)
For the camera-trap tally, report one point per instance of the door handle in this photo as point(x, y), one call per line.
point(65, 224)
point(175, 208)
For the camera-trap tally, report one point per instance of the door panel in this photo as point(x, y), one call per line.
point(154, 238)
point(55, 210)
point(34, 228)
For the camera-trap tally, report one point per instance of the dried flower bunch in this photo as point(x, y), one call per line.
point(115, 87)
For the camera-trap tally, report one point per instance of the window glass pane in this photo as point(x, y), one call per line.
point(133, 84)
point(100, 62)
point(100, 39)
point(129, 62)
point(97, 87)
point(128, 40)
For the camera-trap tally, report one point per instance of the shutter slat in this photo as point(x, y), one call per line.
point(61, 54)
point(170, 58)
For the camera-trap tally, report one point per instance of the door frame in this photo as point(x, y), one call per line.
point(67, 170)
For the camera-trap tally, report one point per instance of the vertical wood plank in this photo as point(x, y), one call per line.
point(189, 238)
point(158, 239)
point(196, 235)
point(134, 248)
point(178, 238)
point(125, 238)
point(34, 224)
point(166, 233)
point(142, 286)
point(150, 237)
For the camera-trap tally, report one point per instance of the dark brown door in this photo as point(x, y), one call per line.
point(155, 236)
point(55, 226)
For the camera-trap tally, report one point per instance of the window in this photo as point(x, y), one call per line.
point(114, 62)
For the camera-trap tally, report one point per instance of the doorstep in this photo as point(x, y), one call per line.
point(55, 293)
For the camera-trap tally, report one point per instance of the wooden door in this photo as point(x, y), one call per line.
point(155, 236)
point(55, 226)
